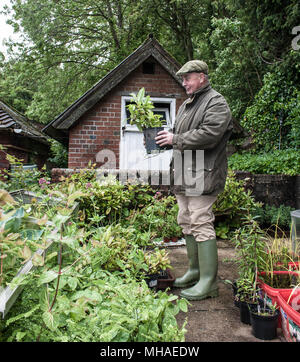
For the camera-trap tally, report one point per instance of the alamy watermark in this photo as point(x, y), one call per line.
point(187, 170)
point(296, 39)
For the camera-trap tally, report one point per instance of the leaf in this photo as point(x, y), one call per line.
point(183, 305)
point(23, 315)
point(25, 253)
point(37, 260)
point(90, 295)
point(47, 277)
point(74, 196)
point(50, 321)
point(72, 282)
point(43, 220)
point(31, 234)
point(20, 335)
point(50, 256)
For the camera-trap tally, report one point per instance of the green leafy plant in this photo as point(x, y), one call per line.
point(272, 216)
point(232, 205)
point(157, 261)
point(273, 118)
point(77, 300)
point(267, 309)
point(19, 178)
point(276, 162)
point(141, 113)
point(251, 256)
point(159, 217)
point(20, 237)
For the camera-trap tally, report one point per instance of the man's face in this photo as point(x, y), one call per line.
point(192, 82)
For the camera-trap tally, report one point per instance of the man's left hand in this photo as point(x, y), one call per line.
point(164, 138)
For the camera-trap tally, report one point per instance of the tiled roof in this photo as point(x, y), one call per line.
point(11, 120)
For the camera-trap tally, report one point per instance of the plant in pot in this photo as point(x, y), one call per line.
point(145, 119)
point(251, 257)
point(264, 320)
point(246, 296)
point(159, 266)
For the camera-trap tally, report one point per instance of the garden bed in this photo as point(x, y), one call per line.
point(36, 235)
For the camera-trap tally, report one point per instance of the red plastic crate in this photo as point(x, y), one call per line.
point(289, 304)
point(272, 294)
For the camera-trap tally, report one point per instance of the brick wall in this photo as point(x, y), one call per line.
point(100, 127)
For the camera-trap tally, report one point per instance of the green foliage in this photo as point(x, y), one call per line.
point(159, 218)
point(282, 162)
point(272, 216)
point(59, 155)
point(78, 300)
point(141, 114)
point(123, 251)
point(273, 120)
point(241, 41)
point(105, 309)
point(250, 244)
point(232, 205)
point(19, 178)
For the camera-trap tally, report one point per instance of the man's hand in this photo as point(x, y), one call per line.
point(164, 138)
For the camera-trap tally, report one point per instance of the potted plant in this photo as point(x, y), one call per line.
point(264, 321)
point(159, 274)
point(251, 257)
point(143, 117)
point(246, 296)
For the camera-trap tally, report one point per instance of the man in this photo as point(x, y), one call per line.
point(203, 122)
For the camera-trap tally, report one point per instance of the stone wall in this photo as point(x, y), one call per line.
point(273, 190)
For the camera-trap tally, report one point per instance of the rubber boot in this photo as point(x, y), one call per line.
point(208, 262)
point(192, 274)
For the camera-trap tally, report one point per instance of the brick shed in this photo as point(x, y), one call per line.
point(96, 128)
point(21, 138)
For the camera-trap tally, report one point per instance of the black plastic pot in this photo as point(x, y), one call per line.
point(264, 326)
point(245, 308)
point(150, 134)
point(162, 280)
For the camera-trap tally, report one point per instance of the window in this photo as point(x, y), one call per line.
point(132, 149)
point(163, 106)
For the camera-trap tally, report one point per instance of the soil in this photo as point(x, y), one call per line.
point(214, 319)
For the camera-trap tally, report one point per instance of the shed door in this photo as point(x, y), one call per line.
point(133, 154)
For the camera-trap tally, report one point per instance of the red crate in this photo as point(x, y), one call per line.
point(272, 294)
point(289, 304)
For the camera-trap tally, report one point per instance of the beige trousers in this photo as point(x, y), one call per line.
point(195, 216)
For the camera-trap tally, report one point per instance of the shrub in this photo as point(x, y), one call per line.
point(273, 120)
point(285, 162)
point(271, 215)
point(232, 205)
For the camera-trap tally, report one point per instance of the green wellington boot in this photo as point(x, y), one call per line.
point(192, 274)
point(208, 262)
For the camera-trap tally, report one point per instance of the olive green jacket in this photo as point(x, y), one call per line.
point(203, 126)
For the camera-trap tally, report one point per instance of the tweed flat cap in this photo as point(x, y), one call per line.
point(197, 66)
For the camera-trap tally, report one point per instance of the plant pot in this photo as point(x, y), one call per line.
point(245, 308)
point(234, 291)
point(150, 134)
point(162, 280)
point(264, 326)
point(173, 239)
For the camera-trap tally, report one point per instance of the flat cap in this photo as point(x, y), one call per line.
point(197, 66)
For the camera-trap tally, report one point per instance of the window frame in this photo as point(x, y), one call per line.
point(171, 102)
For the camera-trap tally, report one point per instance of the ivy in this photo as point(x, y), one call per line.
point(273, 120)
